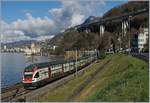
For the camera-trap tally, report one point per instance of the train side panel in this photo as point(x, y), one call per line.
point(41, 74)
point(54, 71)
point(66, 67)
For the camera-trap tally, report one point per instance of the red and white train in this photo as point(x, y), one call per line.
point(36, 75)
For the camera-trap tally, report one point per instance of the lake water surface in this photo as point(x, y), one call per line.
point(13, 64)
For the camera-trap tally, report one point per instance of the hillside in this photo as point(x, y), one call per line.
point(131, 6)
point(118, 78)
point(81, 40)
point(56, 40)
point(19, 43)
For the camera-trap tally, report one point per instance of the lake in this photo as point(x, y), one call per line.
point(13, 64)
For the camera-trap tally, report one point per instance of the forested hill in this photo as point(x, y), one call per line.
point(73, 39)
point(130, 6)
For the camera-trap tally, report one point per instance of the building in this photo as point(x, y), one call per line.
point(140, 40)
point(5, 47)
point(33, 49)
point(73, 54)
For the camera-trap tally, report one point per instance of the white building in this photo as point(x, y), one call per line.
point(34, 49)
point(5, 47)
point(142, 39)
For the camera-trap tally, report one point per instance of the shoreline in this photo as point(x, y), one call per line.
point(3, 89)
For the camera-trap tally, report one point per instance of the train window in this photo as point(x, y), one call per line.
point(36, 75)
point(27, 75)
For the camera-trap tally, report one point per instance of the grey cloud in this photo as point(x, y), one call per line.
point(71, 13)
point(74, 12)
point(29, 28)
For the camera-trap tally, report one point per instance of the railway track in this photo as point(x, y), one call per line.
point(35, 95)
point(18, 93)
point(9, 94)
point(7, 89)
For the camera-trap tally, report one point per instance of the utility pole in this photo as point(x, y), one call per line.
point(76, 62)
point(91, 54)
point(130, 34)
point(119, 39)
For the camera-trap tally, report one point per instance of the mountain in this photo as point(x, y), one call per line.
point(91, 19)
point(81, 40)
point(130, 6)
point(56, 40)
point(19, 43)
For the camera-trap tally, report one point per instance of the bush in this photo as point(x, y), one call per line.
point(102, 55)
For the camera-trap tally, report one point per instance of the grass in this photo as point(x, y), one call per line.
point(124, 78)
point(62, 93)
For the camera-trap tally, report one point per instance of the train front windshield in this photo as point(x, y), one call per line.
point(28, 75)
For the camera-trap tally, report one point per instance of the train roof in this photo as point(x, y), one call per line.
point(46, 64)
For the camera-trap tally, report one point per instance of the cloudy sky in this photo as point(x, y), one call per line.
point(39, 20)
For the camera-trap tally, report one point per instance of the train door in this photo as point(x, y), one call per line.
point(63, 69)
point(49, 72)
point(44, 73)
point(37, 77)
